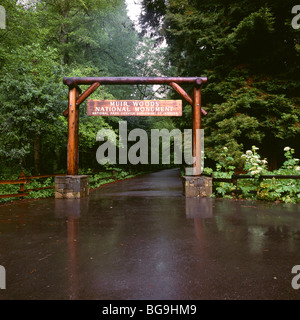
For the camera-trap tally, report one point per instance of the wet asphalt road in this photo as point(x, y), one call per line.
point(140, 239)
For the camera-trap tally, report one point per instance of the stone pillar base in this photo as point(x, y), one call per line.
point(71, 187)
point(197, 186)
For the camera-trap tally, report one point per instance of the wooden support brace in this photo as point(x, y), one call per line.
point(184, 94)
point(84, 95)
point(87, 92)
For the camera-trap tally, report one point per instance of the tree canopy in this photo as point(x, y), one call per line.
point(250, 54)
point(44, 41)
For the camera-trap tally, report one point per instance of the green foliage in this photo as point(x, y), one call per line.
point(45, 41)
point(98, 179)
point(28, 110)
point(253, 164)
point(224, 169)
point(259, 188)
point(291, 164)
point(41, 183)
point(109, 175)
point(251, 114)
point(226, 162)
point(33, 184)
point(248, 51)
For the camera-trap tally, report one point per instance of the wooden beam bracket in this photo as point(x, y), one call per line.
point(83, 96)
point(185, 95)
point(87, 92)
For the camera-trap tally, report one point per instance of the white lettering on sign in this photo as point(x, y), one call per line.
point(134, 107)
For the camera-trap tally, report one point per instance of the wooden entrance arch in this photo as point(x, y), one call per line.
point(76, 97)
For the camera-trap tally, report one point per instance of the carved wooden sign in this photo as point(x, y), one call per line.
point(167, 108)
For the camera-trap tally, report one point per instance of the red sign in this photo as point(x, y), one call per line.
point(167, 108)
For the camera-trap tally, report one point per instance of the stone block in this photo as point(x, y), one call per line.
point(71, 187)
point(197, 186)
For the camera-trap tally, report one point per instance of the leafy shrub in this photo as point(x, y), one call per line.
point(258, 188)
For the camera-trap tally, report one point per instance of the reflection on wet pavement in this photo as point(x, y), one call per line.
point(142, 239)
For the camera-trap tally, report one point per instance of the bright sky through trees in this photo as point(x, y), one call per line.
point(134, 9)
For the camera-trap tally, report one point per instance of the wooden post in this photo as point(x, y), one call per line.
point(196, 126)
point(72, 157)
point(77, 134)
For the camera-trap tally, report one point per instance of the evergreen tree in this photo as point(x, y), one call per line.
point(44, 41)
point(250, 53)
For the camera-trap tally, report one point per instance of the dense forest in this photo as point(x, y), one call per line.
point(45, 41)
point(251, 56)
point(248, 50)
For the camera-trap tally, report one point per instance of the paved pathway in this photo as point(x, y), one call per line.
point(141, 239)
